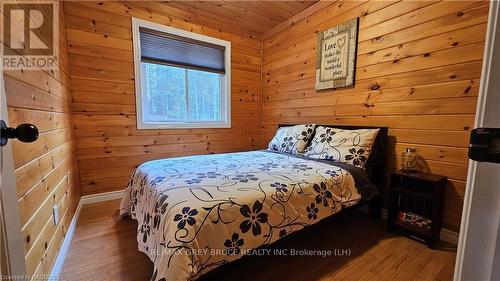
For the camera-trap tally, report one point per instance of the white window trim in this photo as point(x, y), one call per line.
point(226, 78)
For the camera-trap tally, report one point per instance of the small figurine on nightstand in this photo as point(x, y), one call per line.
point(409, 160)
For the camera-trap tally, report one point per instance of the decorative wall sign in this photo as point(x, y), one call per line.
point(336, 61)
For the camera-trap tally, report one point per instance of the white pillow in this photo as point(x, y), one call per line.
point(293, 139)
point(347, 146)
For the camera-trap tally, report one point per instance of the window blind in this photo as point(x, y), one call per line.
point(164, 48)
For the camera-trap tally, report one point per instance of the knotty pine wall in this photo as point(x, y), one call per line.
point(46, 170)
point(418, 70)
point(102, 78)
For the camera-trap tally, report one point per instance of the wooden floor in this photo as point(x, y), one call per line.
point(104, 248)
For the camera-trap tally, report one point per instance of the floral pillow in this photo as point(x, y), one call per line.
point(347, 146)
point(293, 139)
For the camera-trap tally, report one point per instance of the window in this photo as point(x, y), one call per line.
point(182, 78)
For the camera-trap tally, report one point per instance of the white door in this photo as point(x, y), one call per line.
point(12, 251)
point(478, 256)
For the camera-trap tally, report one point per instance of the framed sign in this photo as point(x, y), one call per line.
point(336, 61)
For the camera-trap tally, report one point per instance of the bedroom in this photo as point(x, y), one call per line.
point(113, 85)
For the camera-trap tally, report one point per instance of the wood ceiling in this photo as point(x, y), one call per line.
point(254, 17)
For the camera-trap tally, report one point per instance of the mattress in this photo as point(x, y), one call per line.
point(199, 212)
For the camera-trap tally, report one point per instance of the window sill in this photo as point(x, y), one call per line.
point(156, 126)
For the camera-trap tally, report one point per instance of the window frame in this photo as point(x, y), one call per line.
point(225, 78)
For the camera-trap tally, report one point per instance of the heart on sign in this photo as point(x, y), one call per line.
point(341, 42)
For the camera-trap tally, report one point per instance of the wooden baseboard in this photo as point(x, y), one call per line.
point(63, 252)
point(446, 235)
point(57, 267)
point(100, 197)
point(449, 236)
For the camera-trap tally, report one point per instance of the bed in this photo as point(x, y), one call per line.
point(196, 213)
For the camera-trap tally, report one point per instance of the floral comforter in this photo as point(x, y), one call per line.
point(198, 212)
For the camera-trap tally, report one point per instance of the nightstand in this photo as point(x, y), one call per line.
point(416, 204)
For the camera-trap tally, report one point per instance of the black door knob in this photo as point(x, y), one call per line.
point(24, 132)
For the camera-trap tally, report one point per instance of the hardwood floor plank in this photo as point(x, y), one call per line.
point(104, 248)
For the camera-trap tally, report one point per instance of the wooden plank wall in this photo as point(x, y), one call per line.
point(418, 70)
point(102, 79)
point(46, 170)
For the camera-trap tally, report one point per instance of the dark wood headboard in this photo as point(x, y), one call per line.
point(375, 165)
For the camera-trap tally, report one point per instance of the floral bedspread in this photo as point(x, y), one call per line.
point(198, 212)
